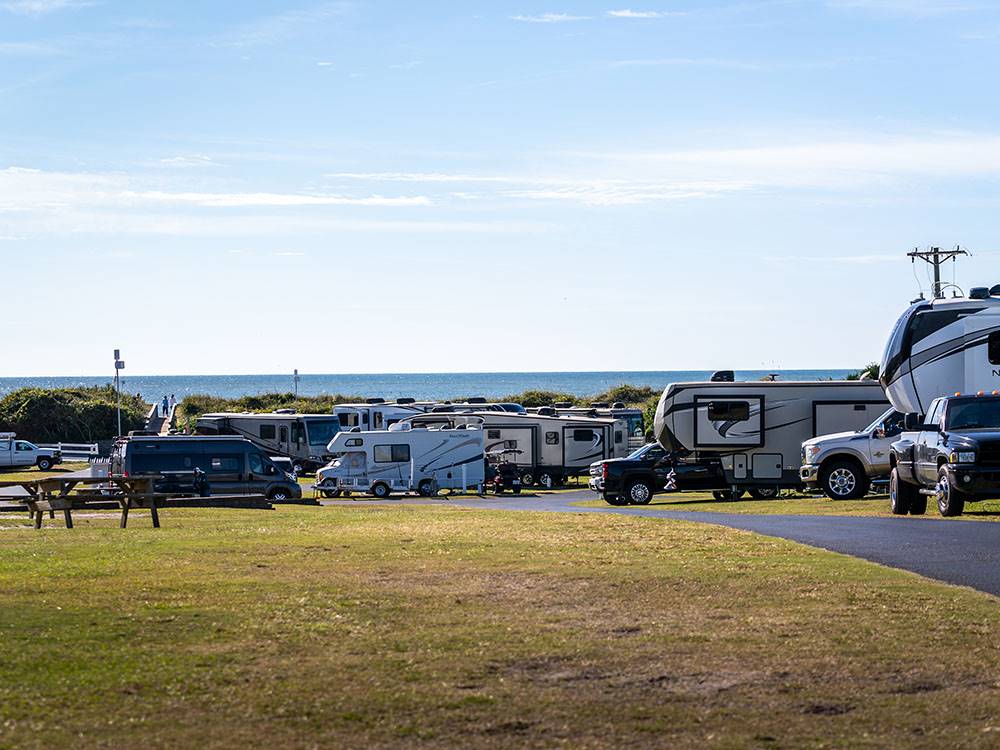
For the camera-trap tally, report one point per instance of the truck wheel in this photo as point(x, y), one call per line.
point(638, 492)
point(527, 479)
point(616, 500)
point(901, 494)
point(381, 490)
point(277, 495)
point(764, 493)
point(44, 463)
point(546, 480)
point(426, 488)
point(725, 496)
point(951, 501)
point(844, 480)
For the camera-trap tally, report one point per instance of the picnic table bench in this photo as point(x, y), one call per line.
point(80, 490)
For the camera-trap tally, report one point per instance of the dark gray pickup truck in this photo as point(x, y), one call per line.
point(952, 455)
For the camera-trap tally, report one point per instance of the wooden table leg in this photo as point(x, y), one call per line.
point(38, 519)
point(124, 522)
point(52, 514)
point(154, 513)
point(68, 515)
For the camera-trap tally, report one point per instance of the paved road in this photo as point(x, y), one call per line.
point(966, 553)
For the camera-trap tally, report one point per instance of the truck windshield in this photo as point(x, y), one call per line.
point(973, 415)
point(322, 431)
point(649, 448)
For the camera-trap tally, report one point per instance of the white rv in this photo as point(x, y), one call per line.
point(756, 429)
point(377, 414)
point(546, 448)
point(300, 437)
point(943, 347)
point(633, 417)
point(402, 459)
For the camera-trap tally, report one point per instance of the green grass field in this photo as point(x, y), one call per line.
point(356, 626)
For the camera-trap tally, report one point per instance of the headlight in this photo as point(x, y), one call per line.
point(810, 453)
point(963, 457)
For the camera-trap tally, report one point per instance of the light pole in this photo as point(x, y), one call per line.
point(119, 366)
point(295, 379)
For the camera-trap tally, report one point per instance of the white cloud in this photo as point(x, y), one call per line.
point(189, 161)
point(645, 14)
point(550, 18)
point(324, 64)
point(274, 200)
point(43, 7)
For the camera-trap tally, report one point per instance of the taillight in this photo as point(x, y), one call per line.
point(604, 471)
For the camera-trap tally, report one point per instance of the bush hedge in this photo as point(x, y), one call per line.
point(69, 415)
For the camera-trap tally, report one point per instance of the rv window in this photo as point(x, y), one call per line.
point(583, 436)
point(322, 431)
point(552, 438)
point(728, 411)
point(619, 438)
point(355, 442)
point(267, 432)
point(298, 433)
point(994, 347)
point(493, 434)
point(226, 463)
point(392, 454)
point(378, 420)
point(284, 435)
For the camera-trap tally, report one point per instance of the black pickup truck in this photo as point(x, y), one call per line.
point(649, 470)
point(953, 455)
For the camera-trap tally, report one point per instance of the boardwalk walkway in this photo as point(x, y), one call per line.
point(159, 424)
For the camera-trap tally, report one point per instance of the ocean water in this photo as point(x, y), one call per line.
point(420, 386)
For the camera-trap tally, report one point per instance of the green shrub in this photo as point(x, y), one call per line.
point(69, 415)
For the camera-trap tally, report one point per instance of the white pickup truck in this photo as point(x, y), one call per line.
point(20, 453)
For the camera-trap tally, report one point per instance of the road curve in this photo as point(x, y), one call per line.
point(966, 553)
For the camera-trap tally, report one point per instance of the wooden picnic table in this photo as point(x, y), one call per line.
point(79, 490)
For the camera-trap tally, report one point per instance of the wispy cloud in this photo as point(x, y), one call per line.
point(43, 7)
point(645, 14)
point(274, 200)
point(550, 18)
point(694, 62)
point(281, 27)
point(189, 161)
point(916, 8)
point(28, 49)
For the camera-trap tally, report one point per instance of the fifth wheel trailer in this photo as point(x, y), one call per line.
point(755, 430)
point(943, 347)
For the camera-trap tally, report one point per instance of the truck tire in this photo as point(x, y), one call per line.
point(764, 493)
point(44, 463)
point(527, 479)
point(381, 490)
point(278, 495)
point(844, 480)
point(950, 500)
point(638, 492)
point(546, 480)
point(725, 496)
point(901, 494)
point(426, 488)
point(616, 500)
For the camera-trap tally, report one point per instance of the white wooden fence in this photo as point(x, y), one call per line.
point(74, 451)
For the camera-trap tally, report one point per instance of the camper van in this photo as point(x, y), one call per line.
point(378, 414)
point(546, 448)
point(300, 437)
point(943, 347)
point(403, 459)
point(756, 429)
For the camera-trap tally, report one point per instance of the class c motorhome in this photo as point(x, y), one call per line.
point(755, 430)
point(942, 347)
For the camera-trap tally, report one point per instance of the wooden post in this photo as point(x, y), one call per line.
point(151, 496)
point(125, 503)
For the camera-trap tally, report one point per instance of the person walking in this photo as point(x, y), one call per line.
point(164, 406)
point(173, 402)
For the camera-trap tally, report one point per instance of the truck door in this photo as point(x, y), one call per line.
point(25, 453)
point(6, 452)
point(925, 446)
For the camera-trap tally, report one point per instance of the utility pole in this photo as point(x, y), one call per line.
point(119, 366)
point(936, 257)
point(296, 380)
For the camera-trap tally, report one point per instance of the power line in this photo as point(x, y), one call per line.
point(936, 257)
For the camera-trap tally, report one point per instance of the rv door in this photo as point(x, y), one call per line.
point(723, 421)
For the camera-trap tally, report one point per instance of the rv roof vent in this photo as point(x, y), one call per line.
point(979, 292)
point(995, 291)
point(618, 405)
point(724, 376)
point(599, 405)
point(546, 411)
point(406, 401)
point(374, 400)
point(476, 400)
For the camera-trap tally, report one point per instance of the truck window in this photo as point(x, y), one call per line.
point(893, 425)
point(392, 454)
point(267, 432)
point(24, 447)
point(936, 411)
point(994, 348)
point(972, 415)
point(729, 411)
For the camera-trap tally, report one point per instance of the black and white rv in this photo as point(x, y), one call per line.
point(755, 430)
point(300, 437)
point(943, 347)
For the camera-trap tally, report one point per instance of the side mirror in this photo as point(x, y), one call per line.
point(912, 422)
point(879, 433)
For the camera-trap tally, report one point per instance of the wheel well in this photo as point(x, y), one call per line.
point(941, 461)
point(844, 457)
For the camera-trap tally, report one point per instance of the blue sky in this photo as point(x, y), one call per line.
point(388, 186)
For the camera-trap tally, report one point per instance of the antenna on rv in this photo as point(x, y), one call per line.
point(936, 257)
